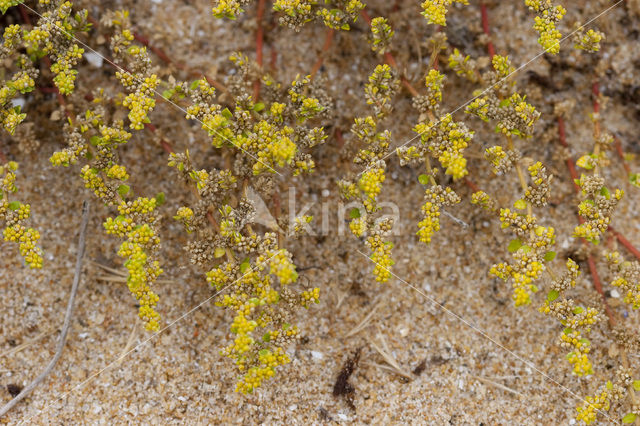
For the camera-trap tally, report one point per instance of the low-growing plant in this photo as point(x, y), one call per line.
point(262, 132)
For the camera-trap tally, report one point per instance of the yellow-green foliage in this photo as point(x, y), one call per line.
point(436, 10)
point(14, 214)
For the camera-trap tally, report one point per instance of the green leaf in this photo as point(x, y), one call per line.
point(578, 309)
point(505, 102)
point(514, 245)
point(634, 178)
point(244, 265)
point(194, 84)
point(636, 385)
point(629, 418)
point(604, 191)
point(160, 198)
point(258, 107)
point(95, 140)
point(219, 252)
point(226, 113)
point(553, 295)
point(266, 337)
point(354, 213)
point(167, 94)
point(525, 248)
point(549, 256)
point(123, 190)
point(609, 385)
point(14, 205)
point(423, 179)
point(520, 204)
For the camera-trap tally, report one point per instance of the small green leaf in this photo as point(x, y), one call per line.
point(160, 198)
point(634, 178)
point(266, 337)
point(604, 191)
point(226, 113)
point(244, 265)
point(553, 295)
point(549, 256)
point(167, 94)
point(194, 84)
point(514, 245)
point(258, 107)
point(609, 385)
point(525, 249)
point(219, 252)
point(578, 309)
point(520, 204)
point(354, 213)
point(629, 418)
point(636, 385)
point(95, 140)
point(123, 190)
point(423, 179)
point(14, 205)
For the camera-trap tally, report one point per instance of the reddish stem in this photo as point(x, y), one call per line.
point(618, 146)
point(259, 45)
point(626, 243)
point(328, 39)
point(485, 28)
point(471, 185)
point(339, 138)
point(389, 59)
point(570, 165)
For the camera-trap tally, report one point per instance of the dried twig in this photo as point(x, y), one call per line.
point(67, 318)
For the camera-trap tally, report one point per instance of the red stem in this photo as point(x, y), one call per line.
point(485, 28)
point(618, 146)
point(259, 46)
point(328, 39)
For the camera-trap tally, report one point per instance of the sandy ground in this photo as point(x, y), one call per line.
point(486, 362)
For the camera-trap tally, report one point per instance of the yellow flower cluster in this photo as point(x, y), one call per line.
point(56, 27)
point(257, 306)
point(11, 116)
point(6, 4)
point(370, 183)
point(136, 224)
point(463, 65)
point(578, 358)
point(589, 41)
point(227, 8)
point(436, 10)
point(141, 102)
point(380, 87)
point(597, 208)
point(446, 140)
point(626, 276)
point(338, 19)
point(435, 197)
point(434, 82)
point(138, 79)
point(282, 266)
point(268, 360)
point(545, 23)
point(14, 214)
point(381, 257)
point(381, 35)
point(92, 180)
point(310, 296)
point(588, 411)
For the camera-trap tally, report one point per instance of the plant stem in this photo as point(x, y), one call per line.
point(328, 39)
